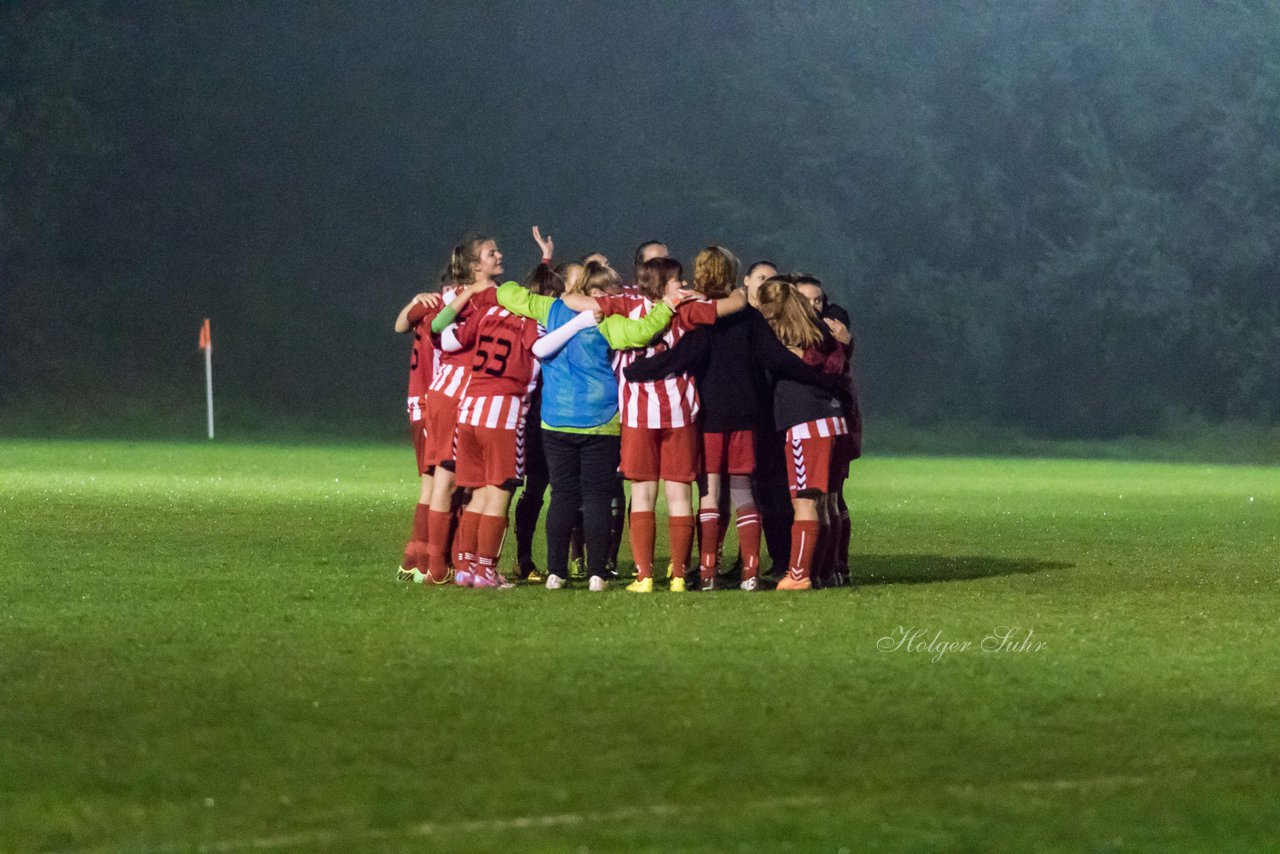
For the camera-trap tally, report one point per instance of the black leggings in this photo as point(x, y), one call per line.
point(584, 477)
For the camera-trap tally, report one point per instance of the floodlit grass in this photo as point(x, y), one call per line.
point(204, 646)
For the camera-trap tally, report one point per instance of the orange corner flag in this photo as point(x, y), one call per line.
point(206, 340)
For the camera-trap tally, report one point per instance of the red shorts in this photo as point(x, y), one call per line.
point(660, 453)
point(441, 422)
point(729, 453)
point(417, 432)
point(811, 454)
point(489, 456)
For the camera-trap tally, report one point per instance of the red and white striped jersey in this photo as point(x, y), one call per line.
point(501, 347)
point(497, 412)
point(822, 428)
point(452, 370)
point(425, 356)
point(671, 401)
point(503, 370)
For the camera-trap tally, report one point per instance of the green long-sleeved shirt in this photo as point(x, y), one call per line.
point(619, 333)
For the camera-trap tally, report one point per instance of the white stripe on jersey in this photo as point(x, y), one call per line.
point(503, 412)
point(641, 404)
point(495, 410)
point(451, 380)
point(821, 428)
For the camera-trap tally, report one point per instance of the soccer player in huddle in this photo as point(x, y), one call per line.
point(416, 317)
point(813, 419)
point(659, 420)
point(491, 413)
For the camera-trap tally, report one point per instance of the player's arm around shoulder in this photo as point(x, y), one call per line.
point(520, 300)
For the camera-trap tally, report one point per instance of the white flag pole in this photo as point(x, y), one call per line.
point(208, 383)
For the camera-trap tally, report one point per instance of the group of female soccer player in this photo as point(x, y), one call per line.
point(579, 381)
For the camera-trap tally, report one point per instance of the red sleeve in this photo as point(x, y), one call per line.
point(835, 361)
point(529, 334)
point(424, 314)
point(486, 299)
point(697, 313)
point(466, 332)
point(610, 305)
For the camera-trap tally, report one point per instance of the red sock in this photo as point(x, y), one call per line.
point(642, 534)
point(804, 538)
point(415, 551)
point(490, 532)
point(465, 542)
point(708, 538)
point(438, 544)
point(749, 541)
point(680, 529)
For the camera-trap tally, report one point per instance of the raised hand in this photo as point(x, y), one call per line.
point(546, 244)
point(429, 300)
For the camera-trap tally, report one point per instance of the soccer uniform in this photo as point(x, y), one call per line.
point(814, 420)
point(423, 361)
point(659, 417)
point(448, 383)
point(492, 411)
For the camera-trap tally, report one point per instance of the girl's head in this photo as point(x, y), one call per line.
point(569, 272)
point(545, 281)
point(646, 251)
point(476, 257)
point(791, 315)
point(811, 288)
point(658, 277)
point(715, 271)
point(595, 280)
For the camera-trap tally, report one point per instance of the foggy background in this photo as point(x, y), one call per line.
point(1059, 217)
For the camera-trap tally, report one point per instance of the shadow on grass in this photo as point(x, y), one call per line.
point(930, 569)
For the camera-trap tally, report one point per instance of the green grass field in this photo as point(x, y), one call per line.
point(204, 648)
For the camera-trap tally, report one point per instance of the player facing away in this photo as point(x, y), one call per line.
point(659, 429)
point(491, 416)
point(416, 317)
point(813, 419)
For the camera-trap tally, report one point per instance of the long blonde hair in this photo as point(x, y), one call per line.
point(715, 272)
point(595, 276)
point(792, 317)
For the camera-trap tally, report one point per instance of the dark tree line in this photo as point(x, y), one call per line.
point(1063, 217)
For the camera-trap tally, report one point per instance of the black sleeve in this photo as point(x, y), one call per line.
point(774, 357)
point(687, 356)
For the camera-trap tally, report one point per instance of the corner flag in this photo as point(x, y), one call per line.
point(206, 344)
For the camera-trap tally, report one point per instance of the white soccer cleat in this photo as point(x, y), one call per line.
point(597, 584)
point(750, 584)
point(554, 582)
